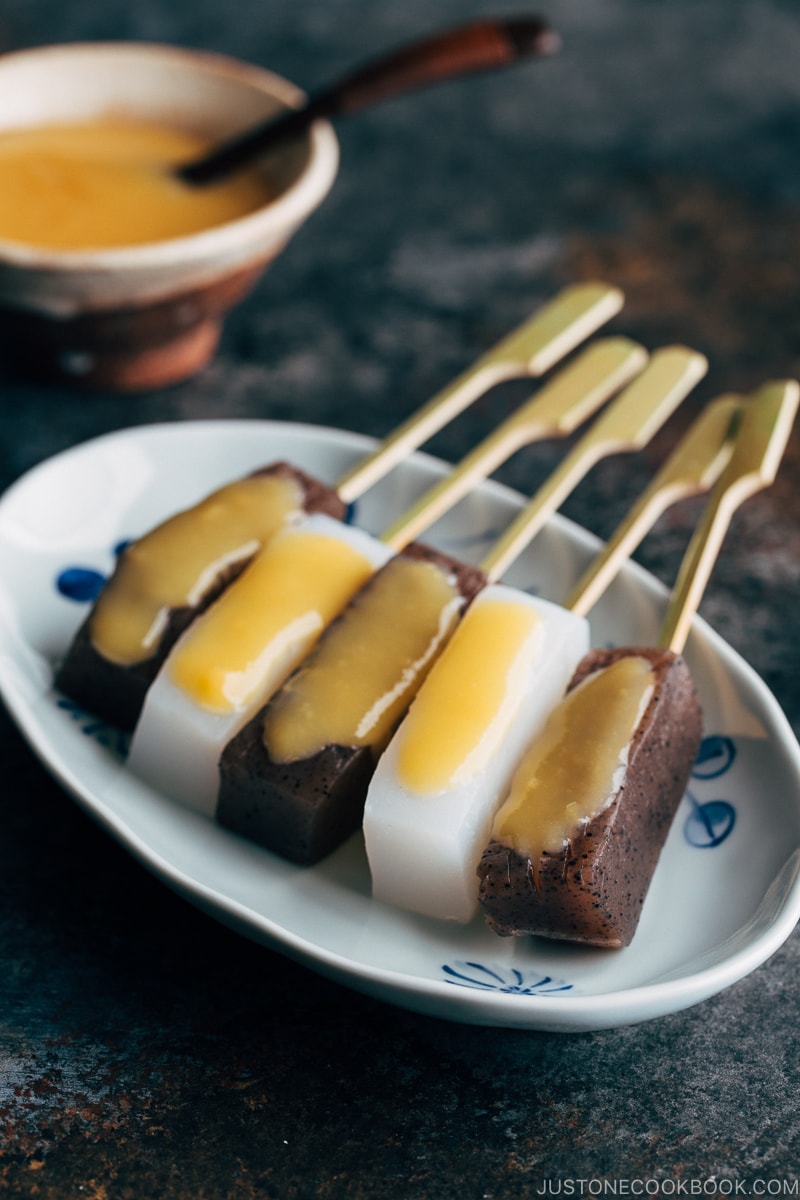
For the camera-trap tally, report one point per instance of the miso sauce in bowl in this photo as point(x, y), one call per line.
point(108, 183)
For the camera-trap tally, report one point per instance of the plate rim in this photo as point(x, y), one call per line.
point(574, 1013)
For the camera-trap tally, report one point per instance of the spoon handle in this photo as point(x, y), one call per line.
point(478, 46)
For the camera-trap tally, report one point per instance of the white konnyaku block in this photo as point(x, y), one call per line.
point(178, 741)
point(424, 848)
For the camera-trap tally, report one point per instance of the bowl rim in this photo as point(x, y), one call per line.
point(274, 222)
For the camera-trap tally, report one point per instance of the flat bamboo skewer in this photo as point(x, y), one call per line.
point(693, 467)
point(762, 436)
point(626, 425)
point(528, 351)
point(559, 407)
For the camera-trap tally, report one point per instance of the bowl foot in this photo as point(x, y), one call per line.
point(142, 369)
point(127, 349)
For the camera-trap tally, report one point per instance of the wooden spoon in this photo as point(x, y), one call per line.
point(478, 46)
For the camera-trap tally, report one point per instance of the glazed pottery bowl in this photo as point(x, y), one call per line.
point(139, 317)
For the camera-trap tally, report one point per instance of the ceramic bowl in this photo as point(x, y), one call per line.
point(147, 316)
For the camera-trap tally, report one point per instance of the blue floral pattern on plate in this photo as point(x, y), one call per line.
point(105, 735)
point(709, 824)
point(509, 980)
point(84, 584)
point(81, 584)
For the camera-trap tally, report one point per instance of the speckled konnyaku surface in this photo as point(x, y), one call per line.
point(145, 1051)
point(592, 890)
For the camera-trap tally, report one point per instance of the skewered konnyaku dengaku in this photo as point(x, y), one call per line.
point(574, 847)
point(166, 578)
point(286, 780)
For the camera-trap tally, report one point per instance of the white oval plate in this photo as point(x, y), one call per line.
point(726, 892)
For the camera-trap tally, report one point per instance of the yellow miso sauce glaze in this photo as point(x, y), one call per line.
point(106, 184)
point(460, 716)
point(175, 564)
point(276, 609)
point(573, 769)
point(356, 684)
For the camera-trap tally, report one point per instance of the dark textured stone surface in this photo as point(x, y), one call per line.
point(145, 1051)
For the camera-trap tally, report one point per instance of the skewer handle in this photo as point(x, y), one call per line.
point(761, 440)
point(627, 424)
point(559, 407)
point(530, 350)
point(692, 468)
